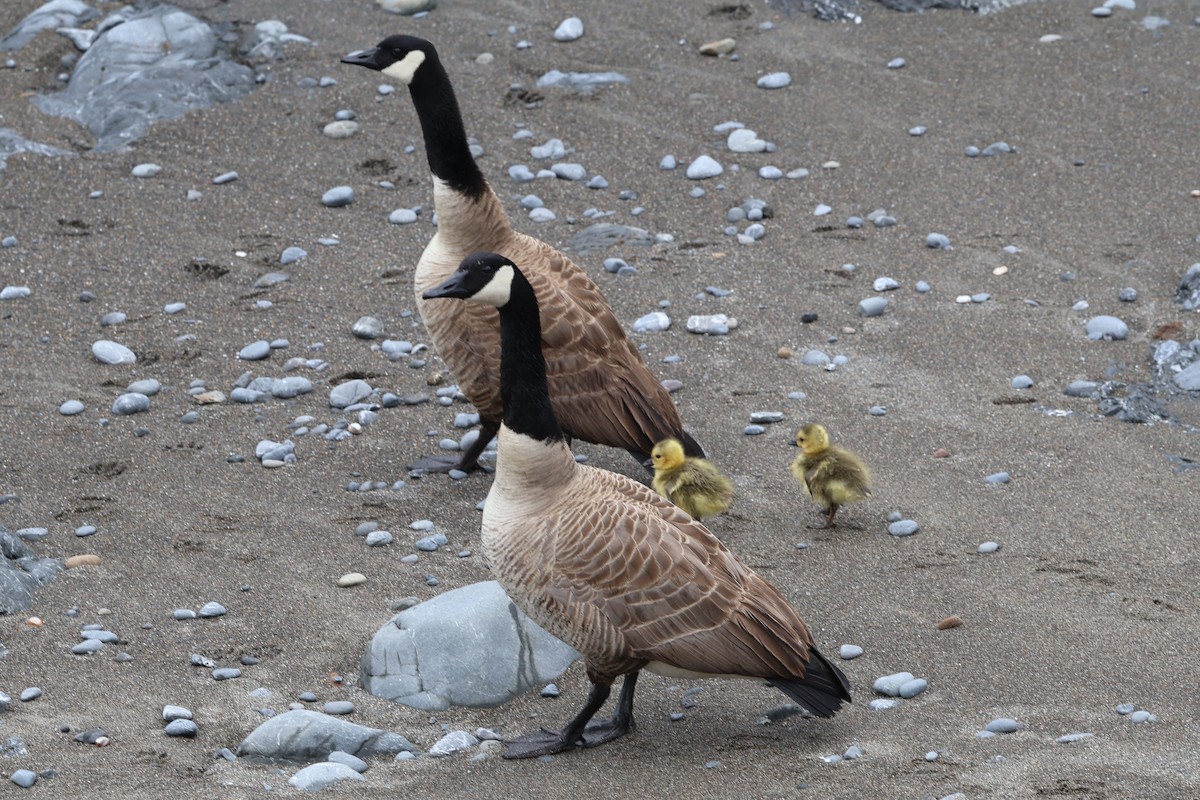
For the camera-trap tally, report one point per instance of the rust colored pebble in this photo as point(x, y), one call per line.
point(1169, 330)
point(85, 560)
point(785, 352)
point(941, 452)
point(952, 621)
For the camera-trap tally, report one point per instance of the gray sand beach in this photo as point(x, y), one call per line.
point(1090, 602)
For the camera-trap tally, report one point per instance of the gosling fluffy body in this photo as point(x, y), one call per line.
point(600, 387)
point(604, 563)
point(690, 482)
point(831, 476)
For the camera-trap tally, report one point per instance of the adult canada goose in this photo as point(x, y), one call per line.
point(607, 565)
point(600, 387)
point(690, 482)
point(831, 476)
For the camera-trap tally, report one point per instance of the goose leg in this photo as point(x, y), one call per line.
point(467, 462)
point(581, 731)
point(544, 742)
point(597, 732)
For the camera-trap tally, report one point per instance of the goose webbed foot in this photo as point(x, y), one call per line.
point(468, 461)
point(546, 742)
point(582, 731)
point(600, 731)
point(440, 463)
point(542, 742)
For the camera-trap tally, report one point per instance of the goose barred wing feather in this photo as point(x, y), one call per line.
point(469, 344)
point(600, 387)
point(667, 590)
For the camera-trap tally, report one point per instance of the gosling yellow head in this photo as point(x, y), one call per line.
point(689, 482)
point(831, 476)
point(812, 439)
point(667, 454)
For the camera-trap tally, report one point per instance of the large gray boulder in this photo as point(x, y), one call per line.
point(12, 143)
point(143, 66)
point(1188, 292)
point(468, 647)
point(311, 736)
point(21, 571)
point(51, 16)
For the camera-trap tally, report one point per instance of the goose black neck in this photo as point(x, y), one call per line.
point(523, 387)
point(446, 145)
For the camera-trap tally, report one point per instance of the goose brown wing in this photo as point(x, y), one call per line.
point(600, 387)
point(670, 590)
point(467, 336)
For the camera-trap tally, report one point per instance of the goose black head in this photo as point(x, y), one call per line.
point(481, 278)
point(399, 57)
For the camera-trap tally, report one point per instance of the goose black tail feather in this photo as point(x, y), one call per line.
point(822, 690)
point(690, 446)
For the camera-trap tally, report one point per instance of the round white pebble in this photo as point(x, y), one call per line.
point(1106, 327)
point(71, 408)
point(569, 30)
point(872, 306)
point(112, 353)
point(774, 80)
point(704, 167)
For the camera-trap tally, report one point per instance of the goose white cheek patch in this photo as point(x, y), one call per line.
point(498, 289)
point(404, 69)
